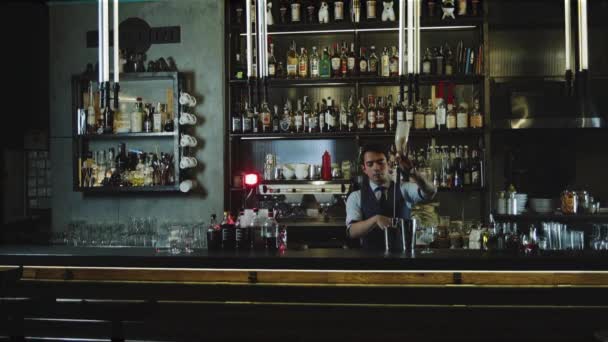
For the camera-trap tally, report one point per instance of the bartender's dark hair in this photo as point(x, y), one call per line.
point(377, 148)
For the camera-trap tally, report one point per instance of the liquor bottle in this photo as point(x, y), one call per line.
point(409, 109)
point(228, 232)
point(394, 63)
point(429, 117)
point(371, 112)
point(343, 127)
point(355, 11)
point(298, 118)
point(255, 121)
point(476, 119)
point(280, 73)
point(292, 61)
point(351, 62)
point(462, 116)
point(314, 63)
point(459, 169)
point(350, 119)
point(361, 115)
point(385, 70)
point(335, 62)
point(108, 115)
point(440, 112)
point(419, 117)
point(305, 114)
point(449, 60)
point(157, 119)
point(363, 64)
point(303, 63)
point(266, 118)
point(137, 117)
point(439, 59)
point(242, 232)
point(370, 9)
point(343, 61)
point(325, 64)
point(91, 114)
point(390, 110)
point(148, 118)
point(286, 119)
point(296, 11)
point(381, 115)
point(247, 119)
point(332, 119)
point(313, 120)
point(121, 159)
point(476, 169)
point(310, 13)
point(239, 67)
point(169, 122)
point(466, 179)
point(426, 62)
point(276, 120)
point(338, 10)
point(373, 62)
point(292, 117)
point(283, 12)
point(272, 63)
point(321, 115)
point(399, 110)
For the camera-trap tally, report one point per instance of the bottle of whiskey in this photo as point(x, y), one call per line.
point(419, 116)
point(303, 63)
point(276, 120)
point(343, 61)
point(272, 63)
point(247, 119)
point(296, 11)
point(322, 115)
point(305, 114)
point(286, 119)
point(91, 114)
point(373, 62)
point(361, 115)
point(351, 62)
point(335, 62)
point(363, 64)
point(292, 61)
point(390, 110)
point(399, 110)
point(409, 109)
point(331, 118)
point(429, 117)
point(137, 117)
point(298, 118)
point(426, 62)
point(314, 63)
point(381, 115)
point(476, 119)
point(350, 119)
point(325, 64)
point(385, 63)
point(451, 117)
point(462, 116)
point(266, 118)
point(466, 161)
point(343, 127)
point(370, 9)
point(313, 120)
point(338, 10)
point(255, 121)
point(371, 113)
point(394, 63)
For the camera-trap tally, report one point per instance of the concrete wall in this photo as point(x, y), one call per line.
point(200, 53)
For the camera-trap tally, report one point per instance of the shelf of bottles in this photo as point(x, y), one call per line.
point(134, 146)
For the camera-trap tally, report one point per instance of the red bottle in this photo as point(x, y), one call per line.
point(326, 167)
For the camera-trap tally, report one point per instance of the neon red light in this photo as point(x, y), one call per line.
point(251, 179)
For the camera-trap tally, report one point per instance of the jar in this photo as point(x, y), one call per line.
point(569, 202)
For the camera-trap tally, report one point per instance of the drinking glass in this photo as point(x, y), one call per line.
point(428, 236)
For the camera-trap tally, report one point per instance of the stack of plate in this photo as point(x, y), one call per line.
point(541, 205)
point(522, 199)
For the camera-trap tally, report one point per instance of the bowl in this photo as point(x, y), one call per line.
point(301, 170)
point(288, 171)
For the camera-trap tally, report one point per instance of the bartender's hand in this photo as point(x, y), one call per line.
point(382, 221)
point(406, 164)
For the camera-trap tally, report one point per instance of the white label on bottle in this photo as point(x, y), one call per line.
point(371, 9)
point(298, 122)
point(429, 121)
point(371, 116)
point(314, 69)
point(271, 70)
point(246, 124)
point(157, 122)
point(451, 122)
point(400, 115)
point(394, 66)
point(441, 115)
point(295, 12)
point(426, 67)
point(343, 119)
point(363, 66)
point(335, 64)
point(385, 66)
point(409, 115)
point(339, 10)
point(331, 120)
point(462, 120)
point(350, 63)
point(475, 180)
point(322, 120)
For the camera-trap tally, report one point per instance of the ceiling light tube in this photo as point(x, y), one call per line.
point(100, 40)
point(417, 4)
point(568, 31)
point(248, 36)
point(401, 28)
point(106, 43)
point(585, 35)
point(410, 36)
point(116, 60)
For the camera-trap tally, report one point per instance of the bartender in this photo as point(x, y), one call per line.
point(369, 210)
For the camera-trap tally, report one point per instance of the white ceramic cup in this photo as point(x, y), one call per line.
point(186, 99)
point(187, 185)
point(187, 141)
point(187, 119)
point(187, 162)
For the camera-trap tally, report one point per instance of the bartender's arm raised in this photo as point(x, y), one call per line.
point(357, 227)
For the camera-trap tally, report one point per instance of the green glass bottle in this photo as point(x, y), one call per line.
point(325, 65)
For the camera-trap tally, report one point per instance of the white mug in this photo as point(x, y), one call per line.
point(187, 162)
point(187, 119)
point(187, 185)
point(186, 99)
point(187, 141)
